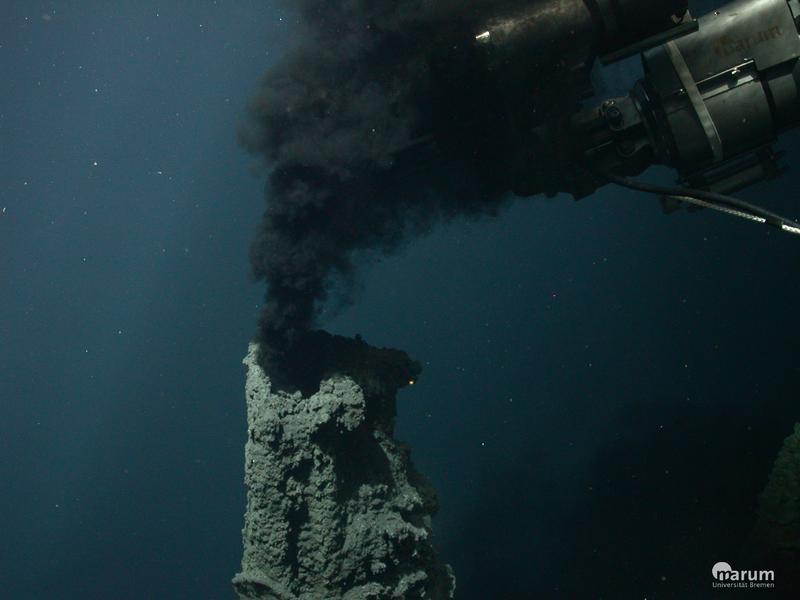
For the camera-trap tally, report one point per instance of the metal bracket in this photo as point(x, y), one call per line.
point(696, 98)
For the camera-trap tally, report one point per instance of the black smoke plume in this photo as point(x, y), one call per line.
point(339, 123)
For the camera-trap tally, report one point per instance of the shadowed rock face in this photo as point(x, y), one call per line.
point(775, 542)
point(335, 509)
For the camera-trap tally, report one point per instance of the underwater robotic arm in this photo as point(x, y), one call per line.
point(716, 93)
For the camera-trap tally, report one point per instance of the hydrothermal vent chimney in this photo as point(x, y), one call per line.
point(335, 509)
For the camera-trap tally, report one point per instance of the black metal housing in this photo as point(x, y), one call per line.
point(710, 105)
point(742, 66)
point(546, 32)
point(716, 93)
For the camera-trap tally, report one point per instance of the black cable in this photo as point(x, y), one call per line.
point(711, 199)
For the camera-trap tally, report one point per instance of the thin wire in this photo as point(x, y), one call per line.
point(713, 200)
point(723, 209)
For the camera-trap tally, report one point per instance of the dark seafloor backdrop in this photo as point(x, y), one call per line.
point(605, 387)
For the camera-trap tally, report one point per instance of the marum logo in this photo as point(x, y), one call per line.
point(728, 44)
point(722, 571)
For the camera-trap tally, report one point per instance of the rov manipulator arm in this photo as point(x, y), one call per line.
point(716, 93)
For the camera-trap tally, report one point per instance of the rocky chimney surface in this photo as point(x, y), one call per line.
point(335, 509)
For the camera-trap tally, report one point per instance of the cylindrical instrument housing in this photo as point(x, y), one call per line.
point(539, 31)
point(544, 31)
point(729, 88)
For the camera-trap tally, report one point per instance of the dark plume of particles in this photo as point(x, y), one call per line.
point(343, 124)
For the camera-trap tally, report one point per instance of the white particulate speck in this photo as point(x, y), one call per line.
point(94, 163)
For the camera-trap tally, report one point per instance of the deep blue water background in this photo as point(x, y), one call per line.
point(604, 388)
